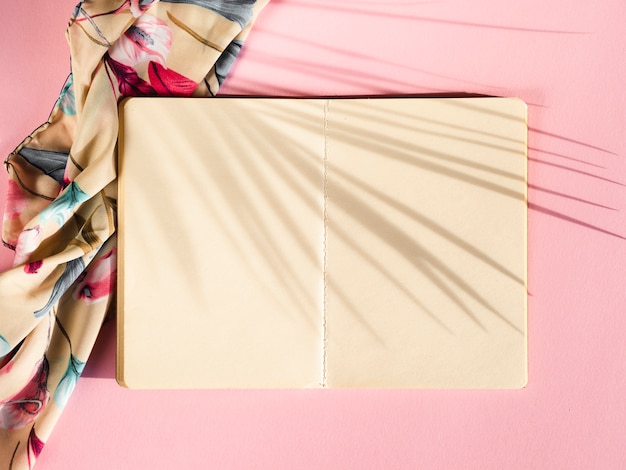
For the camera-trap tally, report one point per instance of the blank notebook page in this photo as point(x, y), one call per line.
point(311, 243)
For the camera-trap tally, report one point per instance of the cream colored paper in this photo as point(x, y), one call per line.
point(290, 243)
point(426, 243)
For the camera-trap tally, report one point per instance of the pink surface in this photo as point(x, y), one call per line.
point(567, 60)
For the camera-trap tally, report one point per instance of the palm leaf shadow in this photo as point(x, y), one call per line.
point(295, 158)
point(396, 237)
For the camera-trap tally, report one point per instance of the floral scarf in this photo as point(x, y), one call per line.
point(61, 200)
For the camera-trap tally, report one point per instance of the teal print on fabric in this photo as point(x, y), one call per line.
point(68, 381)
point(5, 347)
point(64, 205)
point(67, 102)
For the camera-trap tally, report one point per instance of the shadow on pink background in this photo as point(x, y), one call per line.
point(566, 59)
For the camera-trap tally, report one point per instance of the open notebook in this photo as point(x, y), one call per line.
point(306, 243)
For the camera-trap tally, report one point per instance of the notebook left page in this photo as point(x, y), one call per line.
point(221, 243)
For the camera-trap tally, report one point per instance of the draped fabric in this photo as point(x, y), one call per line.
point(61, 201)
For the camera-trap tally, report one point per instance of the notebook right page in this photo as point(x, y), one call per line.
point(426, 243)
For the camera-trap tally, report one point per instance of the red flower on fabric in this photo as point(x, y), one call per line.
point(24, 407)
point(33, 268)
point(167, 82)
point(129, 83)
point(99, 280)
point(148, 40)
point(35, 445)
point(163, 81)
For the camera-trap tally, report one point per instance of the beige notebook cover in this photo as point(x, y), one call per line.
point(311, 243)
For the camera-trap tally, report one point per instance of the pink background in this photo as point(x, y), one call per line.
point(567, 59)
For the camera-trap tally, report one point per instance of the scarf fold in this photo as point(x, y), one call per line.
point(61, 199)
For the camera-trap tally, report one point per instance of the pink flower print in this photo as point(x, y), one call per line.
point(99, 280)
point(166, 82)
point(148, 39)
point(35, 445)
point(15, 201)
point(129, 83)
point(137, 7)
point(26, 243)
point(33, 268)
point(24, 407)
